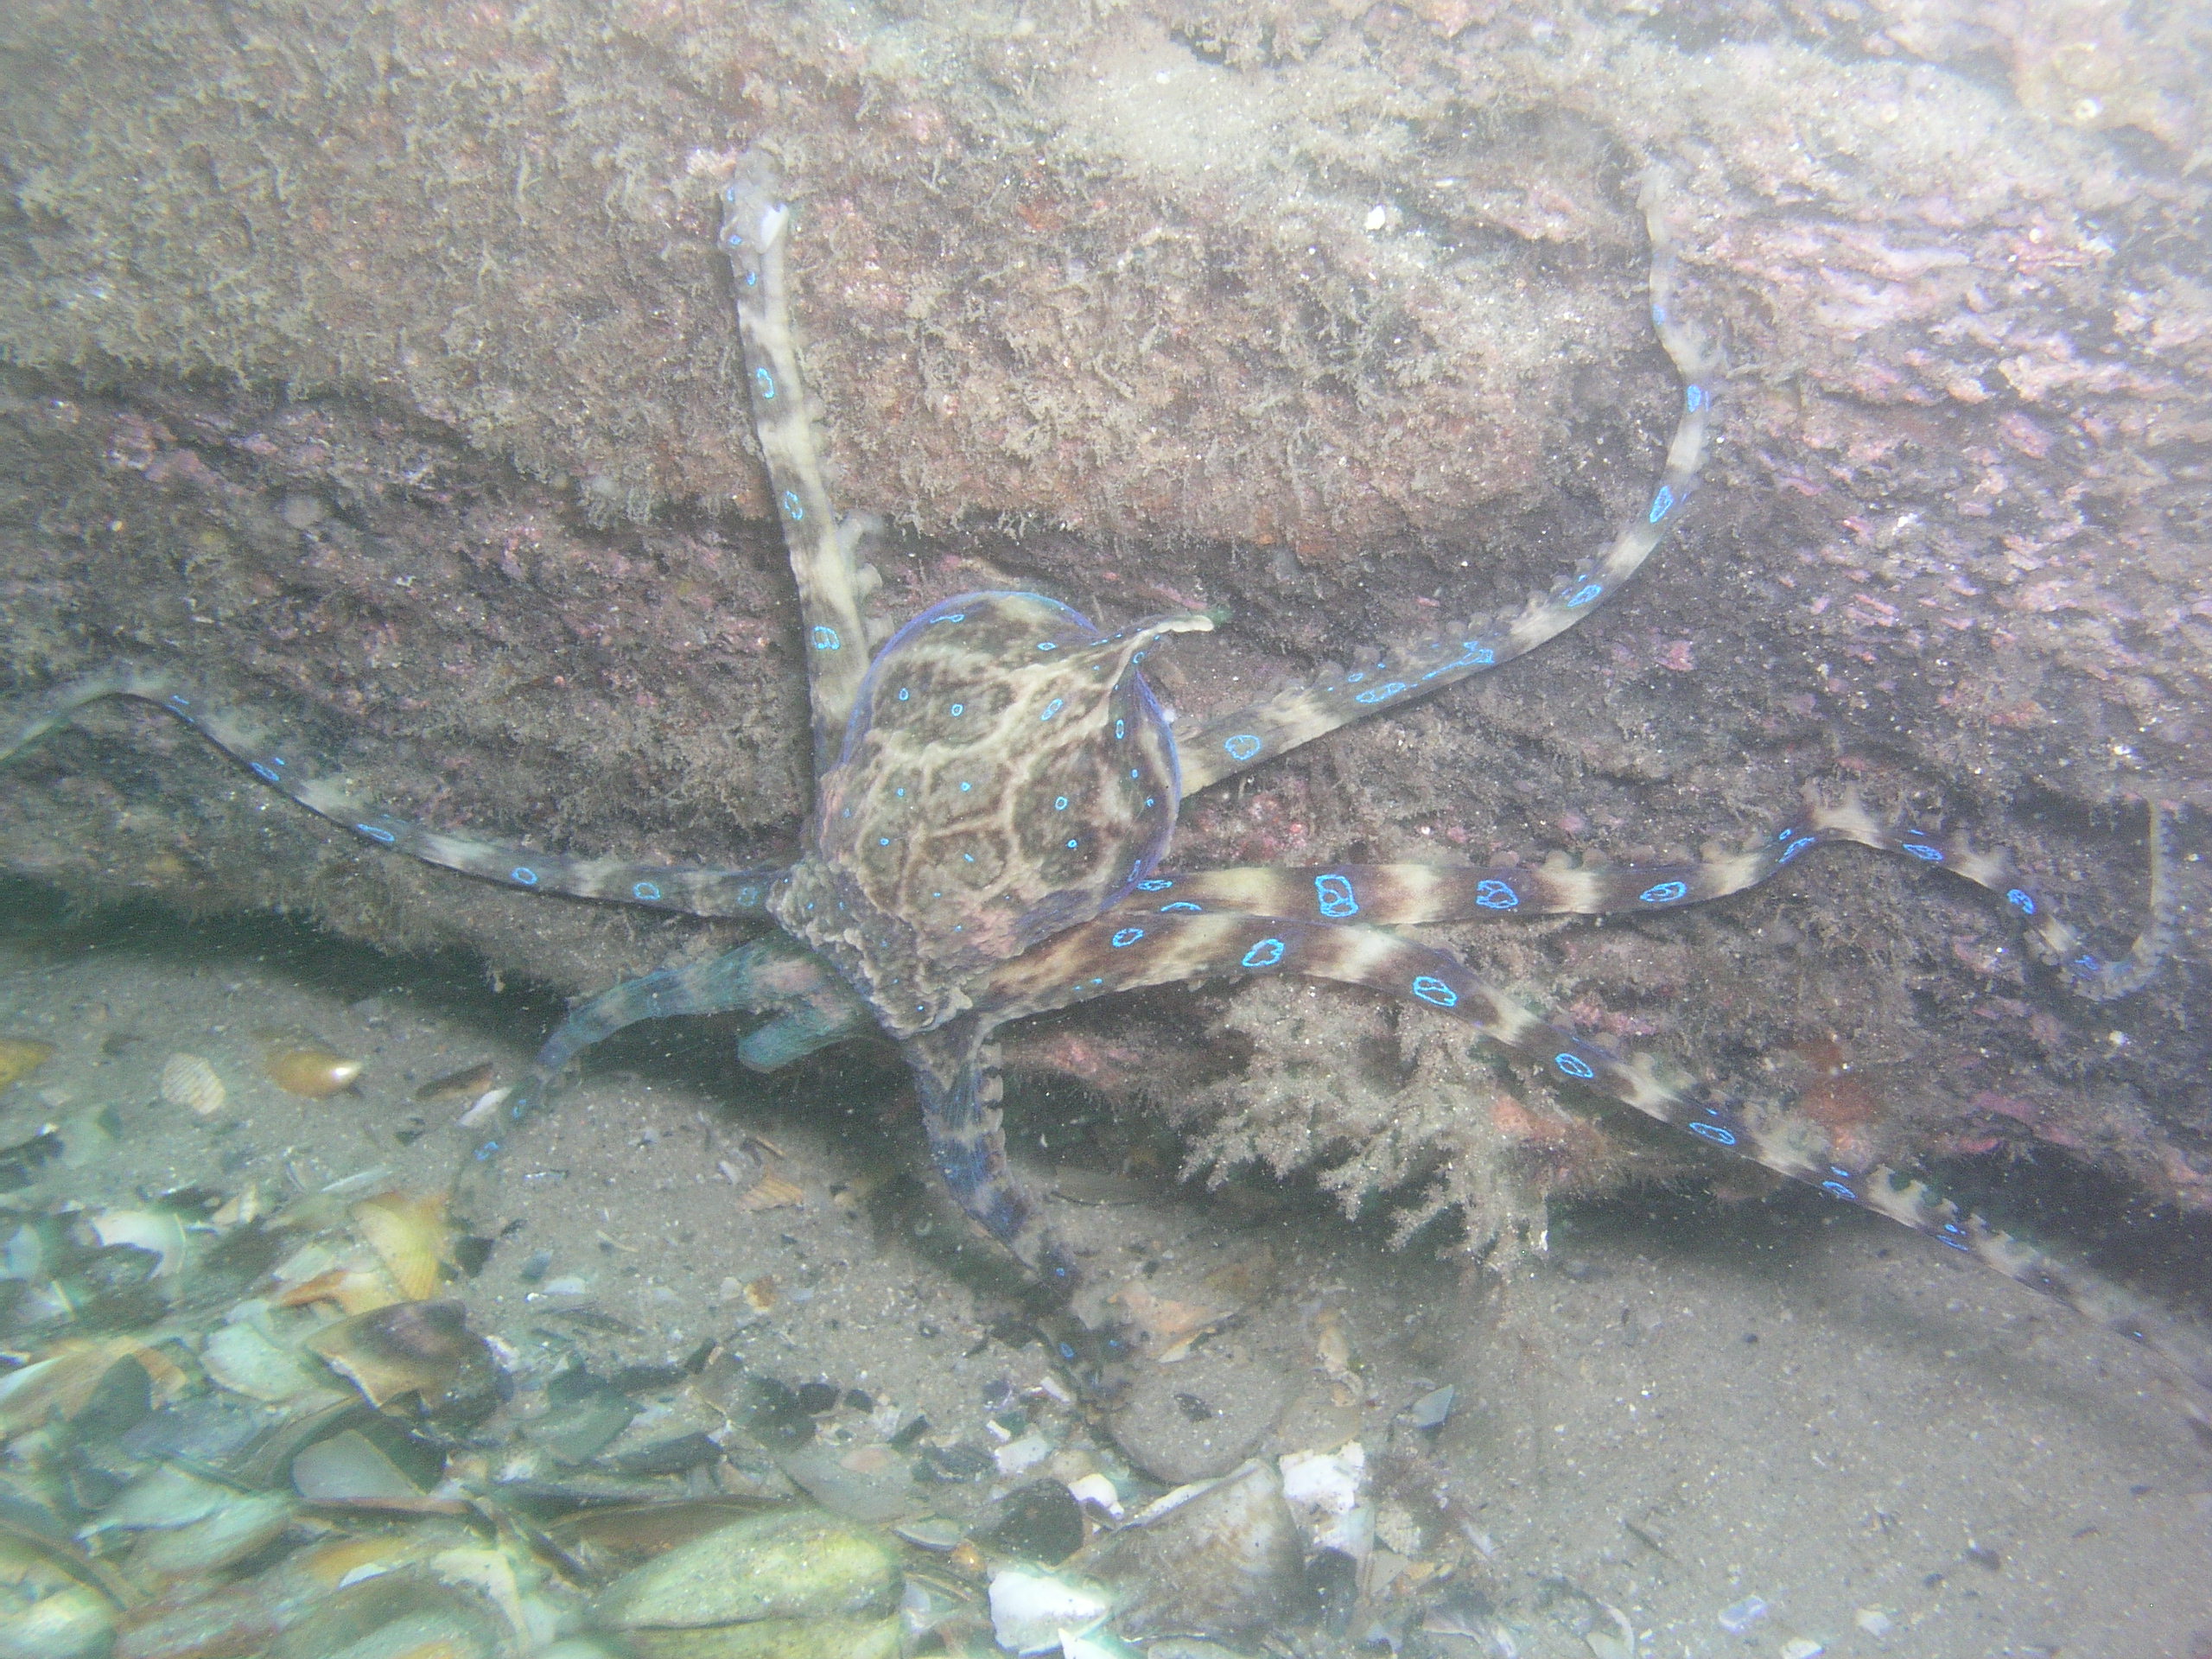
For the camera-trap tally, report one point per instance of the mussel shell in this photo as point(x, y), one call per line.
point(424, 1350)
point(787, 1564)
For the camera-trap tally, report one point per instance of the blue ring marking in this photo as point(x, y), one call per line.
point(1495, 895)
point(1433, 990)
point(883, 841)
point(964, 788)
point(1071, 843)
point(905, 692)
point(1661, 504)
point(1335, 896)
point(767, 382)
point(956, 616)
point(178, 701)
point(1794, 848)
point(486, 1152)
point(1265, 954)
point(2086, 964)
point(1575, 1066)
point(267, 774)
point(1128, 936)
point(1048, 644)
point(1921, 851)
point(792, 505)
point(1666, 892)
point(1183, 906)
point(1693, 399)
point(826, 639)
point(523, 875)
point(1119, 727)
point(1157, 884)
point(1381, 692)
point(2022, 901)
point(1477, 656)
point(1841, 1191)
point(1243, 747)
point(1054, 708)
point(646, 891)
point(1583, 594)
point(1354, 679)
point(1059, 804)
point(375, 834)
point(1712, 1132)
point(958, 710)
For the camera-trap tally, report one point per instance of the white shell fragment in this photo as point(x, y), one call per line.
point(156, 1232)
point(190, 1082)
point(1317, 1484)
point(1031, 1606)
point(1101, 1493)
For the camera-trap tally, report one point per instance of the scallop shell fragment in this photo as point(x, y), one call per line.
point(190, 1082)
point(410, 1237)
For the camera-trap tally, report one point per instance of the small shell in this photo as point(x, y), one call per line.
point(190, 1082)
point(770, 1192)
point(20, 1056)
point(301, 1065)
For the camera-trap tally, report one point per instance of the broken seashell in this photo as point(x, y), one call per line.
point(54, 1620)
point(158, 1232)
point(1099, 1492)
point(774, 1638)
point(410, 1237)
point(64, 1382)
point(348, 1471)
point(243, 1525)
point(1031, 1607)
point(164, 1497)
point(239, 1356)
point(1321, 1484)
point(770, 1192)
point(190, 1082)
point(1219, 1559)
point(300, 1064)
point(788, 1564)
point(424, 1350)
point(1100, 1643)
point(20, 1056)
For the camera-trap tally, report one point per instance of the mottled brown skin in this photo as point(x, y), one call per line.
point(1005, 775)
